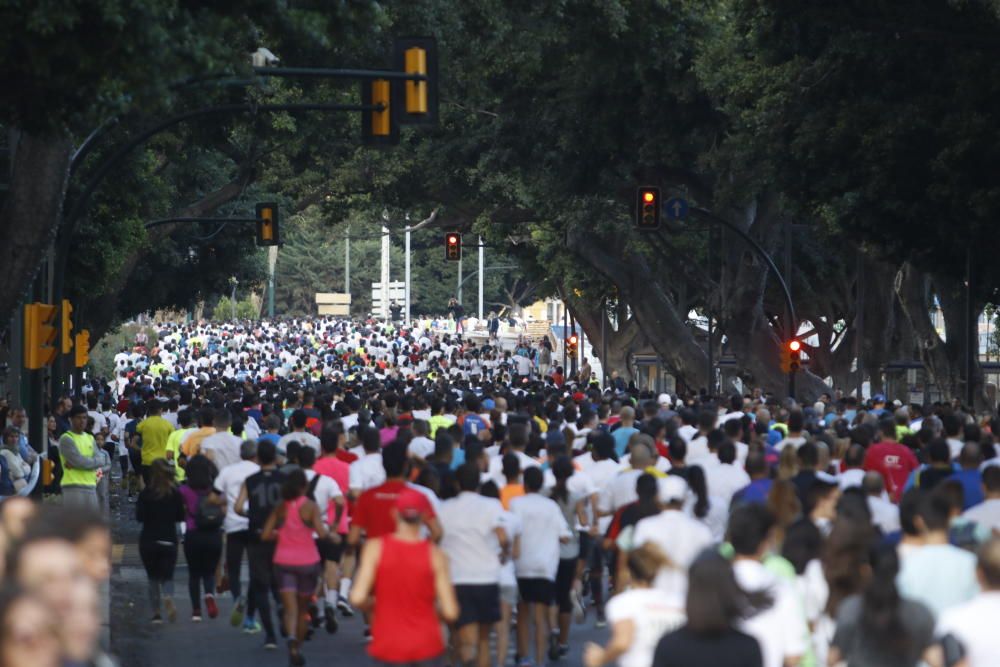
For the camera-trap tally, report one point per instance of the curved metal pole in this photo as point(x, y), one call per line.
point(793, 324)
point(167, 221)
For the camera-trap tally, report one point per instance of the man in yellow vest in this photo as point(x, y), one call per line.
point(77, 452)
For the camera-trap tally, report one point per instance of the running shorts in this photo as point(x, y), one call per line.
point(328, 551)
point(299, 579)
point(478, 603)
point(541, 591)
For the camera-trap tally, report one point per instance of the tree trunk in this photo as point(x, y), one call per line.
point(620, 344)
point(652, 308)
point(31, 212)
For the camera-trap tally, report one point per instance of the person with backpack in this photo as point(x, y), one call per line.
point(206, 514)
point(328, 496)
point(296, 558)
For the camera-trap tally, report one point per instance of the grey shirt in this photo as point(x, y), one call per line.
point(859, 646)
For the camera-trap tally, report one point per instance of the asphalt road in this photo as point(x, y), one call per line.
point(214, 643)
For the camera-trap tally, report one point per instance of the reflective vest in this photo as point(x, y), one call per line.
point(75, 476)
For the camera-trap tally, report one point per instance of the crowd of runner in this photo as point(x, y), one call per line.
point(473, 503)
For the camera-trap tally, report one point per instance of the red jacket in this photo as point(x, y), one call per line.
point(894, 462)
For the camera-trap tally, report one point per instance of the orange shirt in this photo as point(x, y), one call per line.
point(509, 492)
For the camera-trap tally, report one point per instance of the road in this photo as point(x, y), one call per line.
point(214, 643)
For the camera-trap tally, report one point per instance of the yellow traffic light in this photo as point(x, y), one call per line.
point(381, 120)
point(268, 231)
point(647, 214)
point(39, 335)
point(66, 326)
point(416, 91)
point(82, 348)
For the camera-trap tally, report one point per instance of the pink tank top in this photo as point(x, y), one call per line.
point(296, 545)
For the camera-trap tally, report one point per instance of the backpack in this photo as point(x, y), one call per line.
point(208, 515)
point(311, 491)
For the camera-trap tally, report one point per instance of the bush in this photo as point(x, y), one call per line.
point(245, 310)
point(102, 355)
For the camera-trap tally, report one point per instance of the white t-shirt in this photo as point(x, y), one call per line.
point(681, 538)
point(619, 491)
point(724, 480)
point(421, 447)
point(986, 514)
point(652, 617)
point(229, 482)
point(544, 526)
point(495, 470)
point(367, 472)
point(780, 629)
point(885, 515)
point(512, 525)
point(974, 624)
point(224, 447)
point(304, 438)
point(327, 490)
point(469, 522)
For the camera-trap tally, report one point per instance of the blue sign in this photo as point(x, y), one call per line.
point(676, 208)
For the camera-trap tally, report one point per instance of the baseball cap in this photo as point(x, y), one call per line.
point(672, 488)
point(664, 399)
point(579, 397)
point(489, 404)
point(411, 504)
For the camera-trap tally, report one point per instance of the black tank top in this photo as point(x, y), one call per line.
point(264, 492)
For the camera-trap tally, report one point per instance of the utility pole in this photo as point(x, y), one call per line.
point(272, 260)
point(347, 260)
point(406, 277)
point(482, 274)
point(793, 326)
point(458, 292)
point(232, 299)
point(385, 271)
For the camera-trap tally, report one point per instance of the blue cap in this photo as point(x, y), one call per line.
point(489, 404)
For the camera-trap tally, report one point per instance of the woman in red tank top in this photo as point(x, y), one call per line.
point(403, 579)
point(296, 558)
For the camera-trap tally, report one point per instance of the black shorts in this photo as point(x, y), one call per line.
point(135, 457)
point(478, 603)
point(564, 584)
point(541, 591)
point(328, 551)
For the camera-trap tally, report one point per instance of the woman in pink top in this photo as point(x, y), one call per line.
point(296, 558)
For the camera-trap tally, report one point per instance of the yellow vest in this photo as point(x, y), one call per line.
point(75, 476)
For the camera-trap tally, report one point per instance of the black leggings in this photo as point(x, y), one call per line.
point(262, 583)
point(236, 544)
point(159, 559)
point(202, 549)
point(564, 584)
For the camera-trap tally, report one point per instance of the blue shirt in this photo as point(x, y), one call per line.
point(621, 436)
point(756, 492)
point(972, 486)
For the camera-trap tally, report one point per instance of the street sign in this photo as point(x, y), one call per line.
point(676, 208)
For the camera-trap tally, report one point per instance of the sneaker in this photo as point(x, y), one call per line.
point(270, 644)
point(295, 657)
point(313, 612)
point(196, 617)
point(157, 620)
point(554, 646)
point(237, 616)
point(223, 585)
point(251, 627)
point(330, 620)
point(168, 604)
point(563, 650)
point(579, 612)
point(601, 622)
point(367, 634)
point(525, 662)
point(211, 607)
point(345, 609)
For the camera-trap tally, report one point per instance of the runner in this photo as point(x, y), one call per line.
point(205, 511)
point(228, 484)
point(296, 559)
point(408, 575)
point(326, 493)
point(159, 509)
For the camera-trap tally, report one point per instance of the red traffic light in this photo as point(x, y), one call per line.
point(452, 240)
point(573, 339)
point(453, 246)
point(794, 345)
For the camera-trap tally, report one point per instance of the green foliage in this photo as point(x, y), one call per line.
point(102, 355)
point(245, 309)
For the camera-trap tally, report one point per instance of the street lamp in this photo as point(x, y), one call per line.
point(232, 299)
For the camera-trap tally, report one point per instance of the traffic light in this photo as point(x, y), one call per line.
point(378, 126)
point(82, 348)
point(572, 343)
point(417, 55)
point(66, 326)
point(791, 356)
point(647, 207)
point(453, 246)
point(267, 225)
point(39, 335)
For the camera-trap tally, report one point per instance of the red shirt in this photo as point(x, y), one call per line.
point(345, 456)
point(373, 512)
point(894, 462)
point(339, 471)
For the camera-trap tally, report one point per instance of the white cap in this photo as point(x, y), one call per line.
point(672, 488)
point(665, 399)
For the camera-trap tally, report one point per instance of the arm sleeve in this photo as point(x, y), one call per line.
point(67, 447)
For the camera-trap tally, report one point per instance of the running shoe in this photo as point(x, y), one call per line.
point(157, 619)
point(367, 634)
point(601, 622)
point(553, 646)
point(237, 616)
point(525, 662)
point(314, 614)
point(210, 606)
point(563, 650)
point(579, 612)
point(270, 644)
point(330, 619)
point(295, 657)
point(345, 608)
point(168, 604)
point(251, 627)
point(196, 617)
